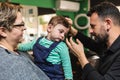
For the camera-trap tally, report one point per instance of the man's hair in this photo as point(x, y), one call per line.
point(106, 9)
point(8, 14)
point(59, 20)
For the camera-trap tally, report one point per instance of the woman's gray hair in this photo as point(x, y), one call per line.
point(8, 14)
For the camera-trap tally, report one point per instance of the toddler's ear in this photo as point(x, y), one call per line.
point(49, 27)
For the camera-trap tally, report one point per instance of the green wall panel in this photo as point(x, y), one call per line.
point(39, 3)
point(3, 0)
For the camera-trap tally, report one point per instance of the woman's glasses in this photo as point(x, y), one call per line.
point(19, 25)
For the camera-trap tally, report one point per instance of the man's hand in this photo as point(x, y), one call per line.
point(78, 50)
point(72, 31)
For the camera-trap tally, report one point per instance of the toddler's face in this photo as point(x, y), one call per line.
point(58, 32)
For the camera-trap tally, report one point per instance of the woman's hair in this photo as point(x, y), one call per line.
point(8, 14)
point(59, 20)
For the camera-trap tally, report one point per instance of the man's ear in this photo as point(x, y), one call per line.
point(108, 23)
point(3, 32)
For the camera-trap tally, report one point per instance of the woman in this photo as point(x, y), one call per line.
point(14, 65)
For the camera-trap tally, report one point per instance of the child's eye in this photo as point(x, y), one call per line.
point(61, 31)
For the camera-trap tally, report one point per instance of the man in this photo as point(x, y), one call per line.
point(14, 65)
point(105, 27)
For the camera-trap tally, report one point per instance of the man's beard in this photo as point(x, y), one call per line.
point(101, 39)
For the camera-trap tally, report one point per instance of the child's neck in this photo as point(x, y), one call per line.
point(47, 37)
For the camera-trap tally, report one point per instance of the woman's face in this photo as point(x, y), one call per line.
point(15, 36)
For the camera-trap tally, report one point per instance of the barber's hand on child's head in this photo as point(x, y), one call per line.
point(73, 31)
point(69, 20)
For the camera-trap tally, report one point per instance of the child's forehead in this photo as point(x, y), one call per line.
point(60, 25)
